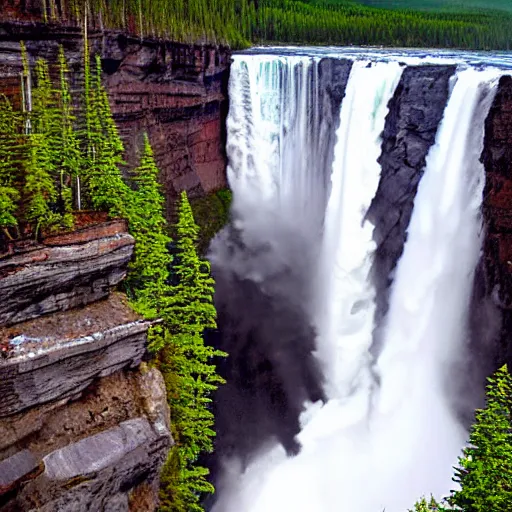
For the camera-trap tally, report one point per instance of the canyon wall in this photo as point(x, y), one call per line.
point(84, 424)
point(497, 210)
point(177, 93)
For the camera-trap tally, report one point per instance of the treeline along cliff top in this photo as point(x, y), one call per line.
point(241, 23)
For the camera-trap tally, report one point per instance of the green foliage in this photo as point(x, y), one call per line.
point(69, 157)
point(9, 195)
point(191, 302)
point(46, 148)
point(106, 187)
point(149, 269)
point(427, 506)
point(188, 371)
point(442, 5)
point(338, 22)
point(39, 190)
point(485, 469)
point(211, 213)
point(185, 307)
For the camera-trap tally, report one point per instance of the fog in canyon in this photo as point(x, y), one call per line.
point(345, 278)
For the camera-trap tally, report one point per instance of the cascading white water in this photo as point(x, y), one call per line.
point(345, 296)
point(273, 140)
point(364, 449)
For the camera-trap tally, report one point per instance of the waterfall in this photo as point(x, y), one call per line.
point(274, 137)
point(345, 295)
point(365, 434)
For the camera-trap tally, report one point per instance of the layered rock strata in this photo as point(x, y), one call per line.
point(177, 93)
point(63, 272)
point(83, 425)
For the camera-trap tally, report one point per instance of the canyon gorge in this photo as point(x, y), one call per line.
point(84, 420)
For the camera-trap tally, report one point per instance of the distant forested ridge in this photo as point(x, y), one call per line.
point(442, 5)
point(334, 22)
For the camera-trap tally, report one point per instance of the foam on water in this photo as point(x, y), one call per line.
point(368, 447)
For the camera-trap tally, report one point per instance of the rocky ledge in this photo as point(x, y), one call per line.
point(64, 370)
point(63, 272)
point(120, 437)
point(83, 424)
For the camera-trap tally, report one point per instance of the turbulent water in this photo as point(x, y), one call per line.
point(310, 420)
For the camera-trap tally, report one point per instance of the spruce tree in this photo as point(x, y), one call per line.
point(189, 373)
point(107, 189)
point(148, 271)
point(427, 506)
point(39, 191)
point(69, 158)
point(485, 469)
point(191, 301)
point(9, 195)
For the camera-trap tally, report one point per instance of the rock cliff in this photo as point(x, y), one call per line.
point(497, 210)
point(177, 93)
point(83, 424)
point(415, 112)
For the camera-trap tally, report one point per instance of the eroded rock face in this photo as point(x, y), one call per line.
point(64, 370)
point(80, 269)
point(333, 77)
point(177, 93)
point(415, 112)
point(497, 209)
point(110, 461)
point(83, 424)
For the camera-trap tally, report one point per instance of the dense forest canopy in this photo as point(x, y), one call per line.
point(335, 22)
point(442, 5)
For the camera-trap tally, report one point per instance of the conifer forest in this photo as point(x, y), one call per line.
point(240, 23)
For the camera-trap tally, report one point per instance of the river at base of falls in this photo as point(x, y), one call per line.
point(386, 434)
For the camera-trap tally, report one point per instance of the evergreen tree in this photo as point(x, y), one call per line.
point(108, 192)
point(69, 157)
point(39, 190)
point(186, 363)
point(485, 469)
point(427, 506)
point(9, 195)
point(149, 268)
point(191, 302)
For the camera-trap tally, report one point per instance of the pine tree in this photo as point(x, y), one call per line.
point(108, 192)
point(69, 158)
point(39, 189)
point(427, 506)
point(485, 469)
point(46, 150)
point(149, 270)
point(191, 302)
point(186, 363)
point(9, 195)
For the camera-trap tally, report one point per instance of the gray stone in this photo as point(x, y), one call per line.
point(104, 486)
point(415, 112)
point(154, 394)
point(63, 371)
point(49, 279)
point(98, 452)
point(17, 466)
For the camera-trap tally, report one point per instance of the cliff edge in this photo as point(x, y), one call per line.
point(83, 424)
